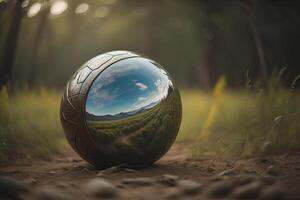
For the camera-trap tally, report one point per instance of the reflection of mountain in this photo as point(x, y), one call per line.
point(121, 115)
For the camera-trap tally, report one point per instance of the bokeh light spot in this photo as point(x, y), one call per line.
point(102, 11)
point(34, 9)
point(82, 8)
point(58, 7)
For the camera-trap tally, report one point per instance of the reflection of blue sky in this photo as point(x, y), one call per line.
point(127, 85)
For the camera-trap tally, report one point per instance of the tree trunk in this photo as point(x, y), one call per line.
point(10, 46)
point(37, 44)
point(259, 51)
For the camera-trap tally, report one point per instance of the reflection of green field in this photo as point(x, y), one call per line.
point(143, 137)
point(107, 131)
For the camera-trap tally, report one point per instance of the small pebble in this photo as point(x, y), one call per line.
point(248, 191)
point(63, 185)
point(61, 160)
point(168, 180)
point(111, 170)
point(49, 193)
point(30, 181)
point(143, 181)
point(220, 189)
point(100, 187)
point(272, 193)
point(90, 167)
point(278, 119)
point(189, 187)
point(129, 170)
point(76, 160)
point(228, 172)
point(243, 180)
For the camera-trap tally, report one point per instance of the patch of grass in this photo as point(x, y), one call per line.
point(244, 123)
point(29, 123)
point(195, 108)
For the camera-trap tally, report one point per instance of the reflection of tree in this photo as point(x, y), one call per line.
point(10, 45)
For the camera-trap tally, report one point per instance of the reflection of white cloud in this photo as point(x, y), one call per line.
point(113, 74)
point(141, 86)
point(141, 98)
point(102, 97)
point(157, 95)
point(157, 82)
point(82, 8)
point(159, 86)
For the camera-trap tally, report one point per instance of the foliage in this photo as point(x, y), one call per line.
point(196, 41)
point(252, 122)
point(29, 123)
point(195, 105)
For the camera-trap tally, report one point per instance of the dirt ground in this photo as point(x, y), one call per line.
point(277, 177)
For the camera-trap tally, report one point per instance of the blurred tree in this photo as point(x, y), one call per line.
point(260, 54)
point(43, 21)
point(197, 41)
point(11, 42)
point(210, 70)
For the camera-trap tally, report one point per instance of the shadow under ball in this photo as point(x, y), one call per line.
point(121, 108)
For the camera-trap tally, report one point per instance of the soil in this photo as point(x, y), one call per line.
point(69, 174)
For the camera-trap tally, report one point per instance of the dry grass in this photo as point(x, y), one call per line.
point(29, 123)
point(244, 123)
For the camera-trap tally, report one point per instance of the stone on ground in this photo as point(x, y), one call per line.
point(189, 186)
point(50, 193)
point(228, 172)
point(11, 188)
point(220, 189)
point(248, 191)
point(272, 193)
point(100, 187)
point(168, 180)
point(243, 180)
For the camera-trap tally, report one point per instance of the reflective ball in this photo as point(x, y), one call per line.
point(121, 108)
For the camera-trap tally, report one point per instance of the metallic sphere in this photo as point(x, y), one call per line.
point(121, 108)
